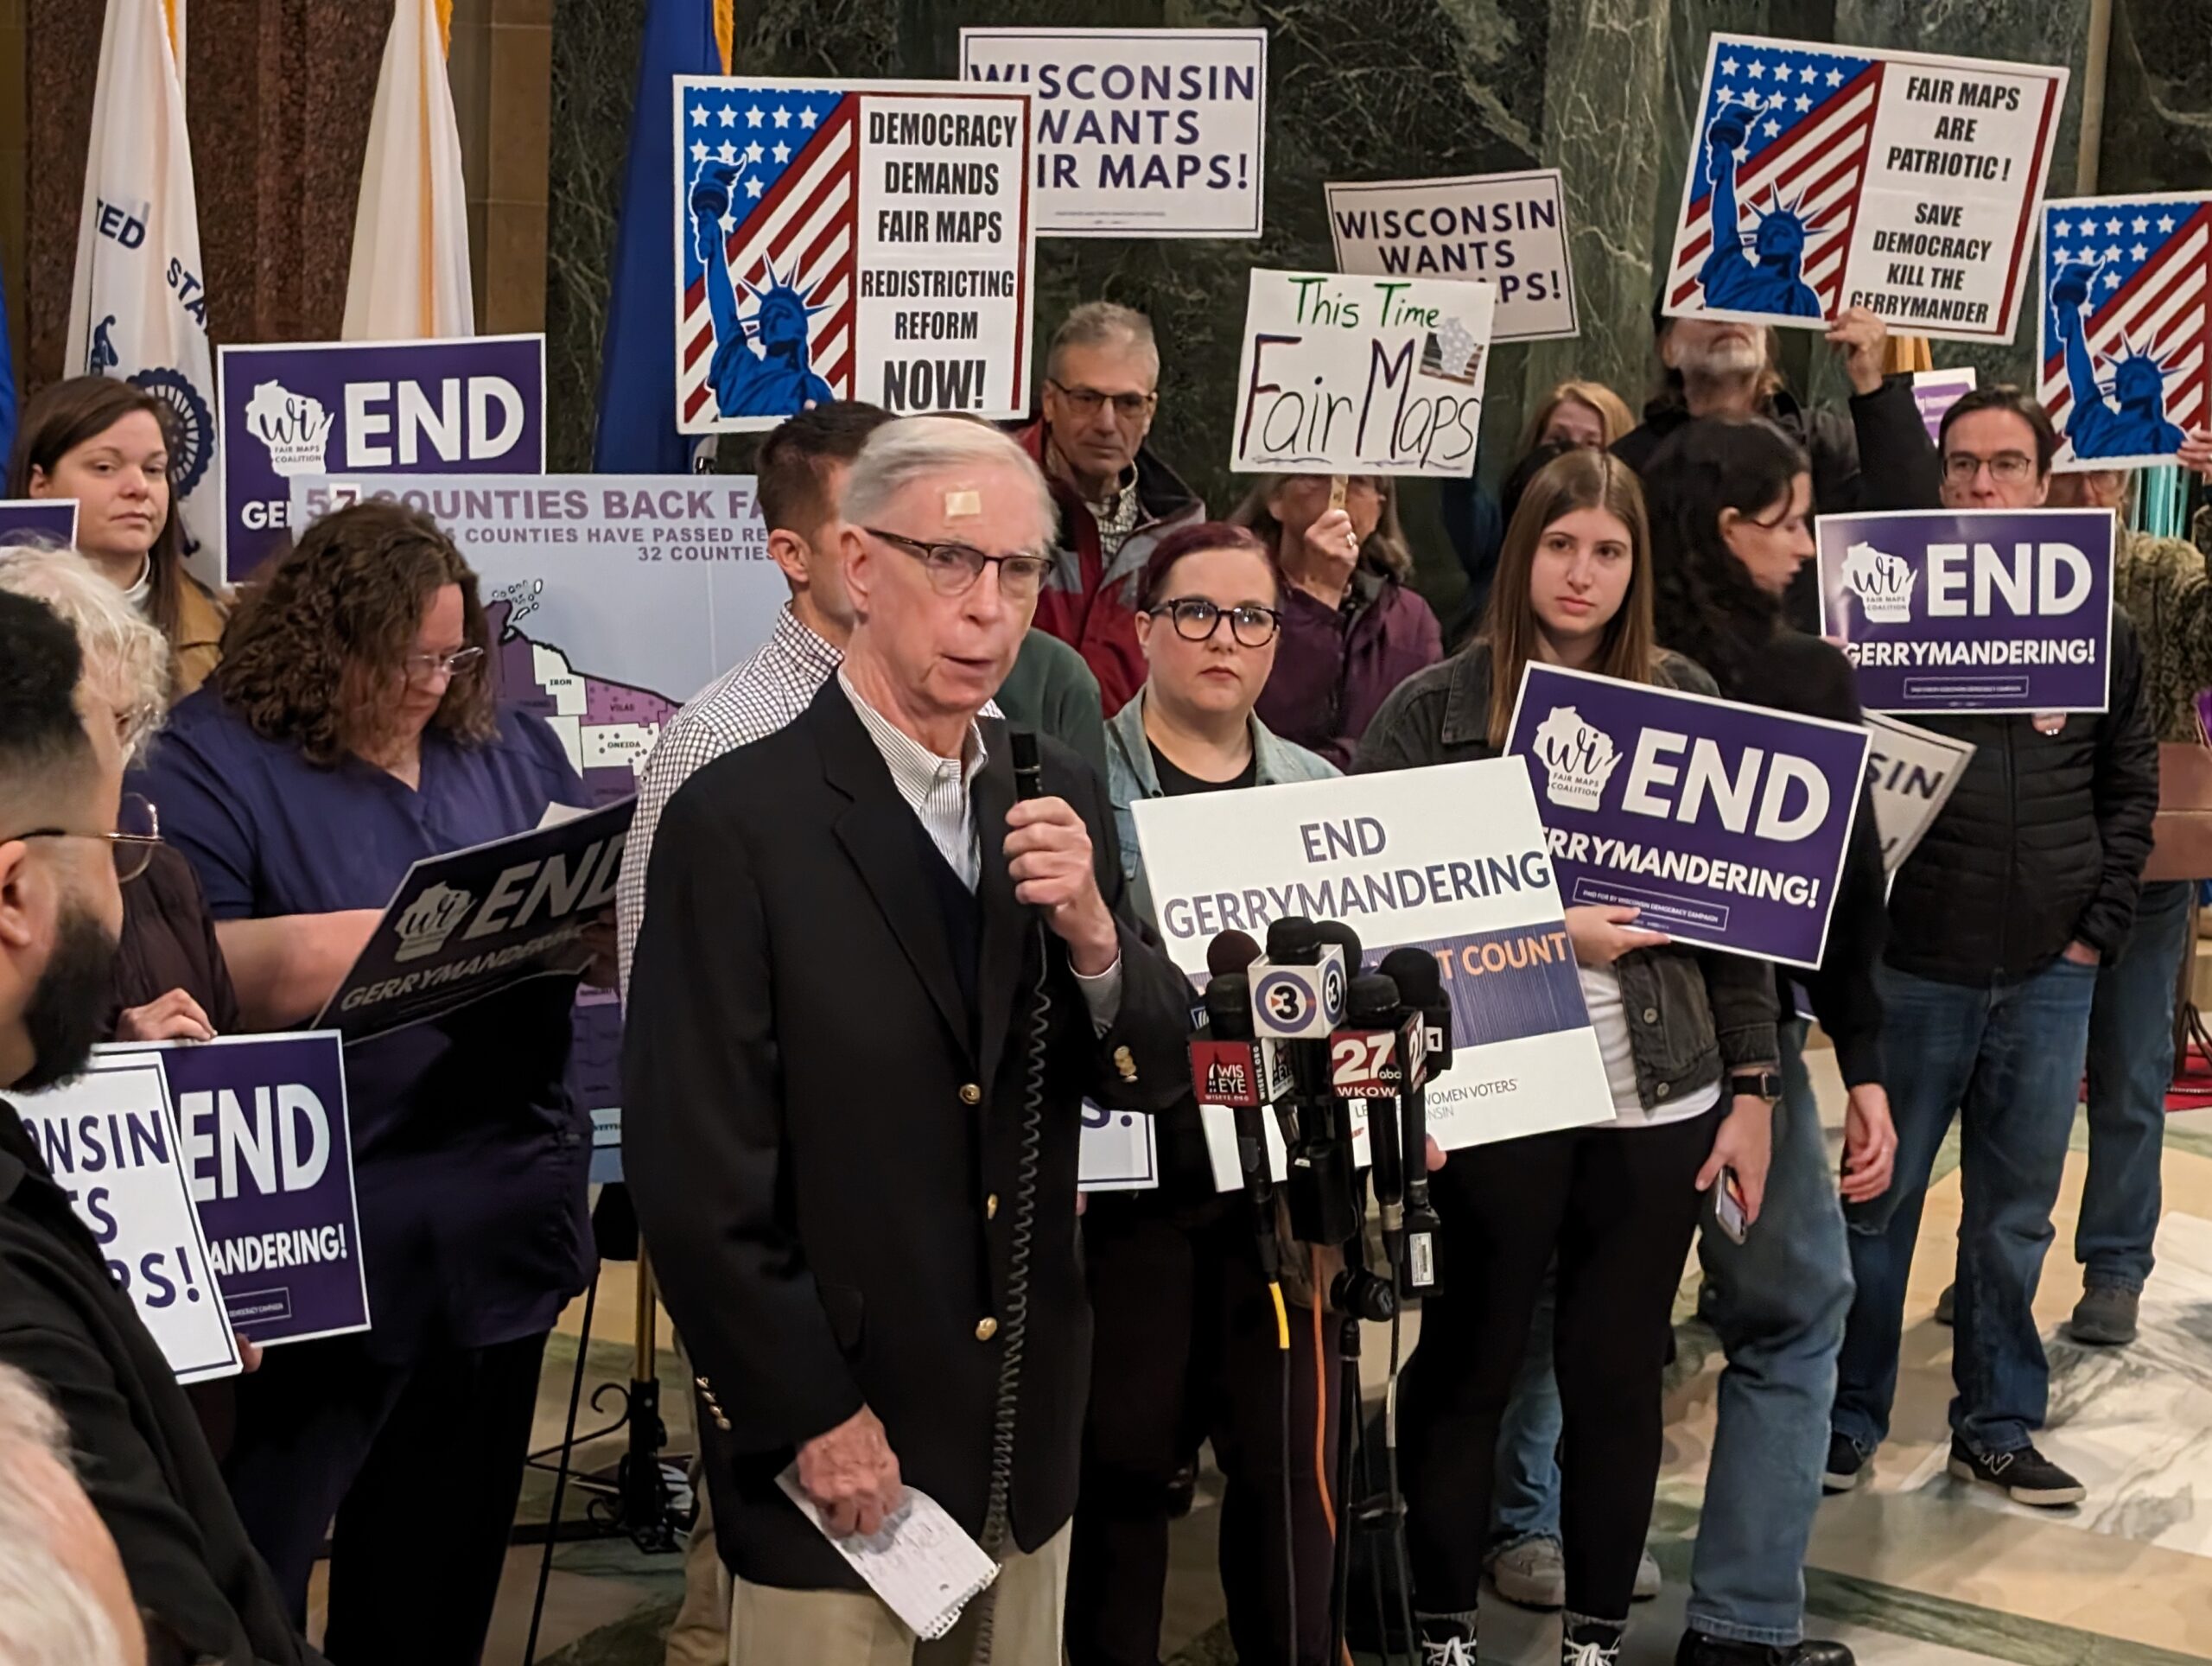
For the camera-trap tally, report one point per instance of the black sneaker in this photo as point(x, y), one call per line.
point(1446, 1641)
point(1585, 1642)
point(2025, 1476)
point(1698, 1649)
point(1947, 1305)
point(2105, 1316)
point(1846, 1466)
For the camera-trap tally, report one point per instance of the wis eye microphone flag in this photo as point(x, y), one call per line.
point(637, 382)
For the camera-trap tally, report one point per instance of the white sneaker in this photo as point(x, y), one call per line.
point(1647, 1578)
point(1531, 1574)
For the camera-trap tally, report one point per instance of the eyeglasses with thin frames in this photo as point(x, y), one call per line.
point(137, 836)
point(1197, 619)
point(1126, 406)
point(427, 667)
point(2006, 468)
point(953, 568)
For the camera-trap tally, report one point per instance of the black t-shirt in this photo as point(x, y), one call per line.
point(1174, 783)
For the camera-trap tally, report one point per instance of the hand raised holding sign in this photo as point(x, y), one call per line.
point(1859, 338)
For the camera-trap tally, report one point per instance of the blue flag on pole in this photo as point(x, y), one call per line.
point(7, 387)
point(637, 430)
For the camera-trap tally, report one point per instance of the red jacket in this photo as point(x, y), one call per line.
point(1093, 607)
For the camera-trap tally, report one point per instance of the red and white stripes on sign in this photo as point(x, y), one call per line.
point(805, 229)
point(2166, 311)
point(1826, 160)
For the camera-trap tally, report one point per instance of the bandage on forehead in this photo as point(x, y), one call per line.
point(964, 504)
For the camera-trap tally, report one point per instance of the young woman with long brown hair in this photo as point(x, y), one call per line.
point(1688, 1041)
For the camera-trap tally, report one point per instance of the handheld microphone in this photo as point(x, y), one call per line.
point(1028, 767)
point(1367, 1061)
point(1324, 1206)
point(1219, 1075)
point(1423, 990)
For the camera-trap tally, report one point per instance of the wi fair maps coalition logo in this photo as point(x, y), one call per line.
point(1579, 759)
point(428, 920)
point(294, 427)
point(1883, 584)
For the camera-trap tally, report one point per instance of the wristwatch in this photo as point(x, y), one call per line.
point(1756, 1083)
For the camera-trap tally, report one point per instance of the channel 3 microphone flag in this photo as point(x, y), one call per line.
point(408, 281)
point(138, 309)
point(637, 382)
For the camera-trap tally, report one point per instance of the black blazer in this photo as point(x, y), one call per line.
point(827, 1166)
point(139, 1451)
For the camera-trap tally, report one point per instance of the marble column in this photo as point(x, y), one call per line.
point(2157, 130)
point(500, 64)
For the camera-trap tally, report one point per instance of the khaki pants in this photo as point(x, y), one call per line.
point(773, 1627)
point(700, 1636)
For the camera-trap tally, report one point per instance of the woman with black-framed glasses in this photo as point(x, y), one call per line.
point(1185, 1348)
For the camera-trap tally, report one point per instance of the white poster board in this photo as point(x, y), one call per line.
point(1450, 859)
point(1140, 132)
point(1510, 228)
point(110, 1138)
point(1910, 773)
point(1361, 375)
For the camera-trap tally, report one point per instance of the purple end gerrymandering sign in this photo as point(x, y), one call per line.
point(1725, 824)
point(2006, 610)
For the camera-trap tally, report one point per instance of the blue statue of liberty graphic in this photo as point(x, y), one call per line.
point(1774, 282)
point(762, 365)
point(2131, 422)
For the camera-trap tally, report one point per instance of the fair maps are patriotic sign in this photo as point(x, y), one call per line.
point(2125, 341)
point(1822, 178)
point(869, 240)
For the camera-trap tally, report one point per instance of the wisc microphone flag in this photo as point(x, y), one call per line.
point(410, 275)
point(139, 307)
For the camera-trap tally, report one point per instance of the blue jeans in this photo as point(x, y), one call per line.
point(1524, 1496)
point(1777, 1301)
point(2006, 1059)
point(2131, 1066)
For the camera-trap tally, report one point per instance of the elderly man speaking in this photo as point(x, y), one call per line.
point(873, 991)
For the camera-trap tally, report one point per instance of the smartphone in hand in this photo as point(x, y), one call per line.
point(1728, 1210)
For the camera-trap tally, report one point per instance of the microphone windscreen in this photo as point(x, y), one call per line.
point(1414, 971)
point(1291, 938)
point(1372, 997)
point(1231, 951)
point(1228, 1001)
point(1336, 931)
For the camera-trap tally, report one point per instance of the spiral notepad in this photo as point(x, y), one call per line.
point(919, 1561)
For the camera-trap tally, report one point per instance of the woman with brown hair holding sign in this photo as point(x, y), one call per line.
point(1688, 1037)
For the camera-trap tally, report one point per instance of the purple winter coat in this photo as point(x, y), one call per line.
point(1335, 666)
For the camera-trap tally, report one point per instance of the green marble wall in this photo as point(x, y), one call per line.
point(1384, 89)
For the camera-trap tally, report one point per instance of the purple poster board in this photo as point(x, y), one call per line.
point(38, 520)
point(473, 405)
point(1992, 610)
point(263, 1128)
point(1725, 824)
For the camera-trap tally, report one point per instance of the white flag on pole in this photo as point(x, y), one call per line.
point(410, 276)
point(139, 306)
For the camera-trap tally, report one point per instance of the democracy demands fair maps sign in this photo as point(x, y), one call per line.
point(471, 923)
point(862, 240)
point(1725, 825)
point(1450, 859)
point(110, 1141)
point(1140, 132)
point(612, 600)
point(1824, 177)
point(268, 1152)
point(1996, 611)
point(1361, 375)
point(38, 520)
point(1510, 228)
point(2126, 334)
point(472, 405)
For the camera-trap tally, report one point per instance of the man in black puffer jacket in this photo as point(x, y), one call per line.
point(1997, 923)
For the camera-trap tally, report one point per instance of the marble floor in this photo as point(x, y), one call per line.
point(1915, 1567)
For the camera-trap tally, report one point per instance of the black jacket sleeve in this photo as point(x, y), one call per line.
point(1805, 676)
point(2126, 794)
point(704, 1140)
point(1891, 464)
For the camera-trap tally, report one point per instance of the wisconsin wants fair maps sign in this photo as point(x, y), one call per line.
point(1451, 860)
point(1725, 825)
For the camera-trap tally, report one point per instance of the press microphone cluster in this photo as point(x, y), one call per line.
point(1299, 1030)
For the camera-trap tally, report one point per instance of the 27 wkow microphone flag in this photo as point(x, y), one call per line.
point(139, 306)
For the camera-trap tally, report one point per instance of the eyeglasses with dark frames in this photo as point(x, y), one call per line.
point(953, 568)
point(137, 835)
point(1197, 619)
point(1126, 406)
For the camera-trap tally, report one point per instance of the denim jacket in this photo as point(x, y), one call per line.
point(1130, 776)
point(1691, 1012)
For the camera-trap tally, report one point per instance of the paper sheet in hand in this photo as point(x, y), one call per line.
point(920, 1560)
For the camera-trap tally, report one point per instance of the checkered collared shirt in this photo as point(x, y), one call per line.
point(753, 700)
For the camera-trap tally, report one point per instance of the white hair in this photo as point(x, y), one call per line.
point(48, 1615)
point(914, 448)
point(122, 651)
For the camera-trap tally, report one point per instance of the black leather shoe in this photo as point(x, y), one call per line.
point(1698, 1649)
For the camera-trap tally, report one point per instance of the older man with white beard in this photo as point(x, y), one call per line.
point(1876, 454)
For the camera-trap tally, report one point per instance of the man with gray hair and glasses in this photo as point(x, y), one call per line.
point(1113, 498)
point(886, 956)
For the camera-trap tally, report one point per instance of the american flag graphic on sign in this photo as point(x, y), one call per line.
point(775, 174)
point(1781, 148)
point(2127, 330)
